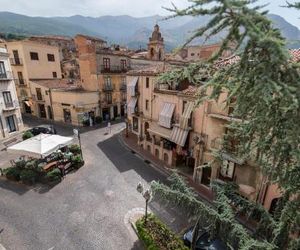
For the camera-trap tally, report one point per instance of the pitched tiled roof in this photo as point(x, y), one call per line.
point(152, 70)
point(295, 55)
point(191, 90)
point(57, 83)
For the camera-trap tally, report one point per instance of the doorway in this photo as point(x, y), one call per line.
point(206, 174)
point(115, 111)
point(42, 111)
point(67, 116)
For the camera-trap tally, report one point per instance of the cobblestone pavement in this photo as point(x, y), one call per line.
point(89, 208)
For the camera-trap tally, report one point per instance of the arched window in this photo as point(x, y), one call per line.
point(156, 153)
point(149, 148)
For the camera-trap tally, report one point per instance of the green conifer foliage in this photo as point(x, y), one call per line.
point(265, 84)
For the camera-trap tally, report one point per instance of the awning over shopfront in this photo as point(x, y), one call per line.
point(131, 86)
point(186, 115)
point(28, 103)
point(154, 128)
point(131, 105)
point(179, 135)
point(165, 116)
point(41, 145)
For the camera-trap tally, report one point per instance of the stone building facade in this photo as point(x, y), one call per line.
point(103, 69)
point(10, 115)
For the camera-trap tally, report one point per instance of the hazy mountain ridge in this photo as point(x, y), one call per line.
point(124, 29)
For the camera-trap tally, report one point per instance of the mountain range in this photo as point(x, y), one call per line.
point(125, 30)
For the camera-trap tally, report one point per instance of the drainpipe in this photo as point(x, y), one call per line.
point(51, 104)
point(2, 128)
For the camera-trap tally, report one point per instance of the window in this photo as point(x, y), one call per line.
point(135, 124)
point(107, 81)
point(108, 98)
point(123, 64)
point(50, 58)
point(192, 54)
point(54, 74)
point(2, 70)
point(7, 99)
point(124, 97)
point(34, 56)
point(106, 63)
point(21, 79)
point(147, 82)
point(123, 80)
point(227, 169)
point(39, 94)
point(17, 59)
point(11, 123)
point(147, 105)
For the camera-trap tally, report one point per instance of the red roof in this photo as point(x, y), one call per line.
point(57, 83)
point(191, 90)
point(295, 54)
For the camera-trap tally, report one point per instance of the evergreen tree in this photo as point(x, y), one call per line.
point(265, 86)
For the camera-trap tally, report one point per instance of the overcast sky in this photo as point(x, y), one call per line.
point(137, 8)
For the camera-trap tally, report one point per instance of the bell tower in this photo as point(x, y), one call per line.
point(156, 48)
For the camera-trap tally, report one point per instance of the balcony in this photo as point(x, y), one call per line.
point(163, 87)
point(21, 82)
point(123, 87)
point(6, 76)
point(16, 61)
point(114, 69)
point(108, 87)
point(8, 106)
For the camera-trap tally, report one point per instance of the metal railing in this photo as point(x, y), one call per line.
point(16, 61)
point(123, 87)
point(20, 82)
point(108, 87)
point(114, 69)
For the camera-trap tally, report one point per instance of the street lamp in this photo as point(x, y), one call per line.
point(147, 196)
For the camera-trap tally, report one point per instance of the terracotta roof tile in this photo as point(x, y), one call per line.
point(57, 83)
point(295, 55)
point(191, 90)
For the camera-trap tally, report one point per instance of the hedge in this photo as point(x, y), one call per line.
point(157, 236)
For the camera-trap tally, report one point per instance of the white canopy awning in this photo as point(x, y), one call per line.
point(165, 116)
point(131, 86)
point(179, 135)
point(41, 145)
point(131, 105)
point(186, 115)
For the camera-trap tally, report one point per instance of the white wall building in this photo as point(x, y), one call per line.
point(10, 116)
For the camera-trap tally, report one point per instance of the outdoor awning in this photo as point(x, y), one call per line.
point(131, 105)
point(28, 103)
point(154, 128)
point(41, 145)
point(179, 135)
point(131, 86)
point(186, 115)
point(165, 116)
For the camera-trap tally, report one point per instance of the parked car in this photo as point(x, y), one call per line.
point(203, 242)
point(45, 129)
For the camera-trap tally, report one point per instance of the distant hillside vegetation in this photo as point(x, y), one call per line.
point(126, 30)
